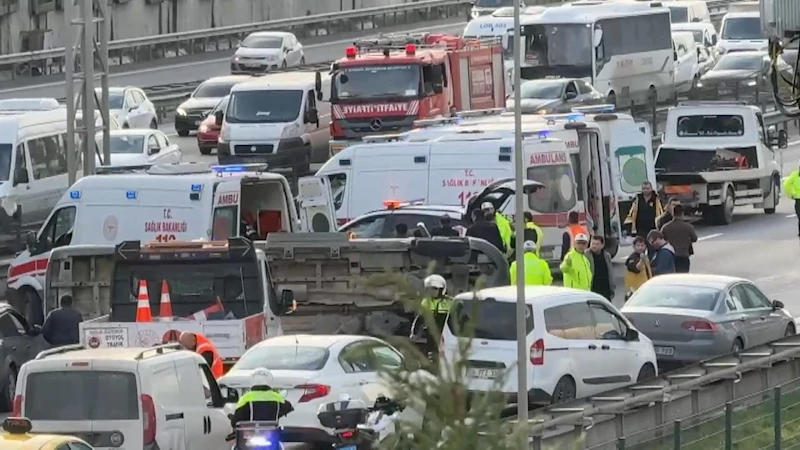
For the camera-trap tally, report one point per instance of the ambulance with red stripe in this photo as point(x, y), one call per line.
point(165, 203)
point(590, 161)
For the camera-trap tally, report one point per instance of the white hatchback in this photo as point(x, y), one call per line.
point(312, 370)
point(580, 344)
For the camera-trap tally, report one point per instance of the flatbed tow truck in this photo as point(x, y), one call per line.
point(238, 292)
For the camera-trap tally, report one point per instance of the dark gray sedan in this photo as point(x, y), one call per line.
point(742, 74)
point(19, 342)
point(690, 318)
point(555, 96)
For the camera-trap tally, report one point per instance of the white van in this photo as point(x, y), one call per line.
point(580, 344)
point(705, 36)
point(735, 7)
point(178, 202)
point(687, 61)
point(488, 27)
point(741, 31)
point(688, 11)
point(133, 398)
point(282, 119)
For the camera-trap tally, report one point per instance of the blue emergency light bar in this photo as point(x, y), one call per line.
point(239, 168)
point(197, 187)
point(130, 195)
point(75, 195)
point(594, 109)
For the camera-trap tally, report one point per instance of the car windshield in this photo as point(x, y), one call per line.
point(545, 89)
point(487, 319)
point(213, 90)
point(80, 395)
point(255, 41)
point(675, 296)
point(280, 357)
point(115, 100)
point(267, 106)
point(222, 105)
point(5, 161)
point(559, 45)
point(710, 125)
point(678, 14)
point(741, 28)
point(697, 35)
point(124, 144)
point(378, 81)
point(493, 3)
point(739, 62)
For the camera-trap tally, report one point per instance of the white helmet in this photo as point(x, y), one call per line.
point(436, 282)
point(529, 246)
point(262, 377)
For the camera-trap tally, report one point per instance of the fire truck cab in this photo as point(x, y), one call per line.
point(383, 85)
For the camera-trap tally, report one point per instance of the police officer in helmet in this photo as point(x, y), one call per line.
point(261, 403)
point(437, 303)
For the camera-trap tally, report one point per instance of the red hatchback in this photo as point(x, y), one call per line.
point(208, 131)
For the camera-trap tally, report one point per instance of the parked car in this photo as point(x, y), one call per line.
point(139, 148)
point(19, 343)
point(553, 96)
point(265, 50)
point(198, 105)
point(208, 132)
point(690, 318)
point(130, 107)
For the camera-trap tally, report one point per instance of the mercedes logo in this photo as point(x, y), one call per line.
point(375, 125)
point(253, 149)
point(657, 323)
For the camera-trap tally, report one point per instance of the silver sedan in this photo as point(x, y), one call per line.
point(690, 318)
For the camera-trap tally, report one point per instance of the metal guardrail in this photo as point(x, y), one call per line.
point(613, 418)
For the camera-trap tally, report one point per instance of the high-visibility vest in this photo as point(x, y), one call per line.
point(574, 230)
point(437, 305)
point(203, 346)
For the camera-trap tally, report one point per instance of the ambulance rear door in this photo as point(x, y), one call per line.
point(315, 205)
point(226, 219)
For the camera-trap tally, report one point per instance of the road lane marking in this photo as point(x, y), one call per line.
point(791, 216)
point(710, 236)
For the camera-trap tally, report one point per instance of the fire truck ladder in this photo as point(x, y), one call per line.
point(314, 67)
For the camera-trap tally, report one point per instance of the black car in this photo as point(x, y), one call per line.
point(742, 74)
point(200, 102)
point(19, 343)
point(555, 96)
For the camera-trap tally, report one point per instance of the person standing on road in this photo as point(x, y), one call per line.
point(667, 216)
point(600, 264)
point(445, 228)
point(502, 222)
point(537, 271)
point(637, 267)
point(196, 342)
point(644, 210)
point(682, 236)
point(487, 230)
point(574, 228)
point(531, 233)
point(792, 188)
point(576, 267)
point(61, 326)
point(662, 256)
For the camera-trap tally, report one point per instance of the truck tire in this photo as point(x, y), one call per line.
point(775, 193)
point(723, 214)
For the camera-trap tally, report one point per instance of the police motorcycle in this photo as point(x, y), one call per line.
point(356, 426)
point(256, 435)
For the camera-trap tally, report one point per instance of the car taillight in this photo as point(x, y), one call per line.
point(149, 419)
point(537, 353)
point(699, 326)
point(17, 409)
point(312, 391)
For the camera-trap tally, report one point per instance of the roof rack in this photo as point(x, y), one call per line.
point(312, 67)
point(111, 170)
point(381, 138)
point(481, 113)
point(438, 121)
point(59, 350)
point(158, 349)
point(713, 103)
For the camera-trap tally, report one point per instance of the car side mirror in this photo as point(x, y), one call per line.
point(20, 176)
point(312, 116)
point(229, 394)
point(30, 240)
point(287, 301)
point(438, 88)
point(218, 118)
point(153, 150)
point(675, 56)
point(133, 108)
point(714, 40)
point(632, 335)
point(777, 304)
point(188, 95)
point(286, 50)
point(571, 95)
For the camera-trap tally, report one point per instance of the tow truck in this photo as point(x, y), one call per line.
point(238, 292)
point(383, 85)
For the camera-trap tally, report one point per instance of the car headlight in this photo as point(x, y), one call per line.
point(699, 84)
point(751, 83)
point(224, 134)
point(180, 112)
point(236, 58)
point(543, 111)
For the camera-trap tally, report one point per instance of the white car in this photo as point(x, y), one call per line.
point(131, 107)
point(580, 344)
point(312, 370)
point(139, 148)
point(265, 50)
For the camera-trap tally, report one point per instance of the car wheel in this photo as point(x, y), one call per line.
point(205, 150)
point(738, 346)
point(183, 133)
point(775, 196)
point(646, 372)
point(125, 126)
point(9, 388)
point(790, 330)
point(564, 391)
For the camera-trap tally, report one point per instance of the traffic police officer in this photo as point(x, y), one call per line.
point(537, 271)
point(261, 403)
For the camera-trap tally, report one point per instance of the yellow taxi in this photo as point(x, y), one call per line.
point(17, 436)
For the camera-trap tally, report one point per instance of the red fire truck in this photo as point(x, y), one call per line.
point(381, 86)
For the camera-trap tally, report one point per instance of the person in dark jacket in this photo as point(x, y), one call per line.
point(61, 326)
point(662, 256)
point(681, 235)
point(667, 216)
point(401, 230)
point(644, 210)
point(485, 229)
point(445, 228)
point(261, 403)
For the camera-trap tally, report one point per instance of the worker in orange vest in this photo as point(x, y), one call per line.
point(574, 228)
point(199, 344)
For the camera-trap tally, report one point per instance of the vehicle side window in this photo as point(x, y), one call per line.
point(386, 358)
point(8, 327)
point(210, 386)
point(371, 227)
point(64, 446)
point(44, 153)
point(79, 446)
point(129, 103)
point(762, 132)
point(225, 222)
point(338, 183)
point(739, 298)
point(571, 88)
point(18, 322)
point(356, 357)
point(138, 98)
point(152, 142)
point(607, 325)
point(755, 298)
point(571, 321)
point(583, 88)
point(58, 231)
point(311, 100)
point(163, 142)
point(20, 163)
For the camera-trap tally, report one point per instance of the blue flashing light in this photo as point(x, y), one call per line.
point(505, 150)
point(75, 195)
point(229, 169)
point(594, 109)
point(574, 116)
point(197, 187)
point(130, 195)
point(544, 134)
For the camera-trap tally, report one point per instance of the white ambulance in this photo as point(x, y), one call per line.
point(179, 202)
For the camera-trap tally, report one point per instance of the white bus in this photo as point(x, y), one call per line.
point(624, 49)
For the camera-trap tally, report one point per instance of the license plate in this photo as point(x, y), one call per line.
point(484, 374)
point(252, 64)
point(347, 447)
point(665, 351)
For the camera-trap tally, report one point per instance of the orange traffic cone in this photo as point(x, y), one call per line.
point(143, 313)
point(165, 311)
